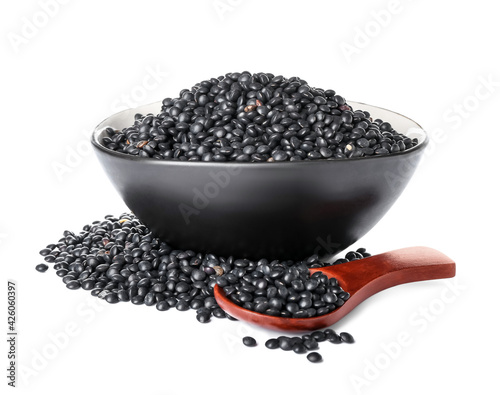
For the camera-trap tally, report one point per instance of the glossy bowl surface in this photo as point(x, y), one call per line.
point(285, 210)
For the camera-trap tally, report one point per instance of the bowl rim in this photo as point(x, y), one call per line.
point(101, 127)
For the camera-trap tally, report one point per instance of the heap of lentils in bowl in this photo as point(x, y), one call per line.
point(260, 117)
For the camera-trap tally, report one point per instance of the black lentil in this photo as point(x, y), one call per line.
point(272, 344)
point(73, 284)
point(249, 341)
point(42, 267)
point(311, 344)
point(112, 298)
point(162, 305)
point(219, 313)
point(257, 117)
point(299, 348)
point(318, 336)
point(203, 317)
point(285, 343)
point(346, 337)
point(314, 357)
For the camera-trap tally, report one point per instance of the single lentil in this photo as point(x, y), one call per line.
point(249, 341)
point(272, 344)
point(314, 357)
point(346, 337)
point(42, 267)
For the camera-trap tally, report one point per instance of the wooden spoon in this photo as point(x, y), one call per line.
point(362, 279)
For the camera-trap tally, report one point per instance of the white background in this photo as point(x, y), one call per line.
point(65, 67)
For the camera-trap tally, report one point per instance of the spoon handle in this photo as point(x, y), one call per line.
point(368, 276)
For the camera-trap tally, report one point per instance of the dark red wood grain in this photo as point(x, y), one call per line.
point(361, 279)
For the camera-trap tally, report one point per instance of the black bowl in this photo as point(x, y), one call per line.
point(285, 210)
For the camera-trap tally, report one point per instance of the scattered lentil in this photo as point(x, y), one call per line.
point(249, 341)
point(314, 357)
point(42, 267)
point(272, 344)
point(346, 337)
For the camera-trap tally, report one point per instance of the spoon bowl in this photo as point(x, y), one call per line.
point(362, 279)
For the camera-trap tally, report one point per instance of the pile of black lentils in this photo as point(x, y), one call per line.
point(118, 259)
point(258, 117)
